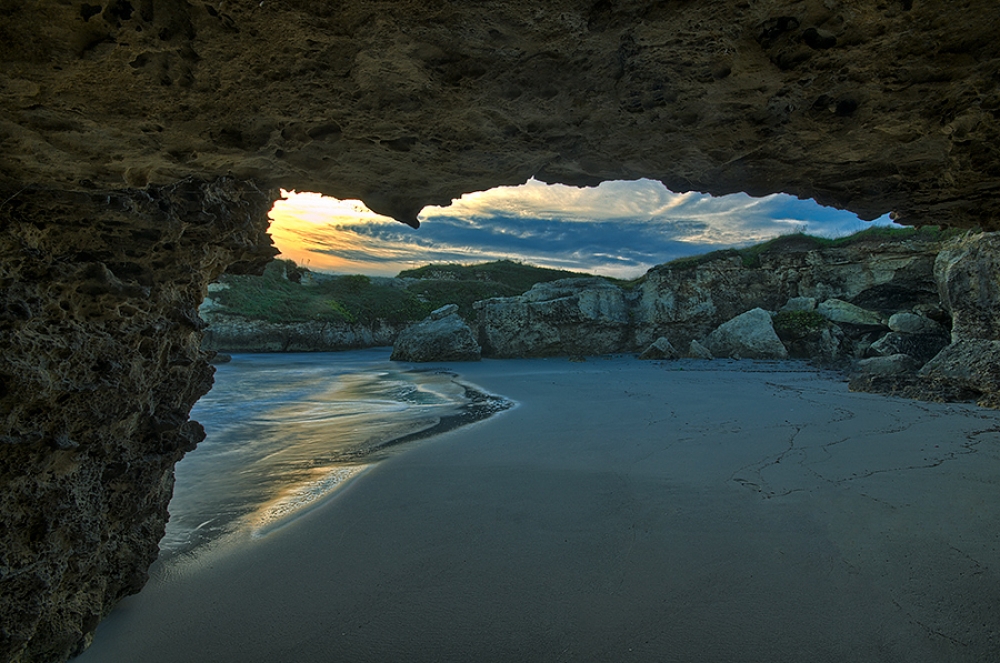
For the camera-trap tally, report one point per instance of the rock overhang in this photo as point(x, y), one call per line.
point(141, 140)
point(891, 107)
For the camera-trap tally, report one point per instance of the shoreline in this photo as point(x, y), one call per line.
point(622, 511)
point(287, 432)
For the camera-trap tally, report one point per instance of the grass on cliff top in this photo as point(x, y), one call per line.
point(289, 293)
point(440, 284)
point(517, 276)
point(279, 295)
point(801, 242)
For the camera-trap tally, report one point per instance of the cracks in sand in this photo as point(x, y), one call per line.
point(843, 461)
point(965, 449)
point(930, 630)
point(761, 485)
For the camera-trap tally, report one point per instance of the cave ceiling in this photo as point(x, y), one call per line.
point(876, 107)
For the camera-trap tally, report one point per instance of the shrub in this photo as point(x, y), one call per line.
point(797, 324)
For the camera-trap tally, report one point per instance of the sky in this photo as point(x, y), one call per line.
point(620, 228)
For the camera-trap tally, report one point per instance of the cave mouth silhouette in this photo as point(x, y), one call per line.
point(619, 228)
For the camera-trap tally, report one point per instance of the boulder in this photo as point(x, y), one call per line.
point(914, 323)
point(750, 335)
point(972, 365)
point(660, 349)
point(922, 347)
point(698, 351)
point(799, 304)
point(896, 364)
point(576, 316)
point(442, 336)
point(839, 311)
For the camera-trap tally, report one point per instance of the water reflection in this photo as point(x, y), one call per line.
point(284, 430)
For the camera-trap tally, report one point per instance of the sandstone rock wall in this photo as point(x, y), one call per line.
point(100, 367)
point(107, 108)
point(876, 107)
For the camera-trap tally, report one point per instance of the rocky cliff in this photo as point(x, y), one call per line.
point(687, 299)
point(228, 333)
point(109, 109)
point(100, 367)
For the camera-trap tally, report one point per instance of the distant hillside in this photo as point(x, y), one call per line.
point(517, 275)
point(288, 293)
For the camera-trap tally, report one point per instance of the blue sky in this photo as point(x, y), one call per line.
point(620, 228)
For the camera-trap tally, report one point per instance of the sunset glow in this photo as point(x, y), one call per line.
point(617, 229)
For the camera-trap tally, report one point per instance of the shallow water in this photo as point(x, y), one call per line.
point(285, 430)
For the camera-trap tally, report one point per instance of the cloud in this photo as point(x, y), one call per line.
point(618, 228)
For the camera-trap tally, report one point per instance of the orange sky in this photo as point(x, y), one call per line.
point(617, 229)
point(298, 222)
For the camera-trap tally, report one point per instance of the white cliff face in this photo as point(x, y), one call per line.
point(967, 271)
point(565, 317)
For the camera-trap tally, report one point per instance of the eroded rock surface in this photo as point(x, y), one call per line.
point(578, 316)
point(404, 103)
point(689, 298)
point(106, 108)
point(749, 335)
point(231, 333)
point(99, 369)
point(442, 336)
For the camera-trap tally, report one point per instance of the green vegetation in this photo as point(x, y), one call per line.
point(801, 242)
point(284, 293)
point(793, 325)
point(438, 292)
point(518, 276)
point(287, 292)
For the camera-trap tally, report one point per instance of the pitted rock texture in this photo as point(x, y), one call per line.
point(106, 108)
point(874, 107)
point(967, 271)
point(99, 369)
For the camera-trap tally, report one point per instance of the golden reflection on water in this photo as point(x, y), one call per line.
point(286, 431)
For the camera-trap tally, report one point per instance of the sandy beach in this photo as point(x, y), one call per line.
point(621, 511)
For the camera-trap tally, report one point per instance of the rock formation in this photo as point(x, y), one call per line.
point(566, 317)
point(238, 334)
point(688, 299)
point(442, 336)
point(141, 143)
point(660, 349)
point(749, 335)
point(100, 367)
point(966, 270)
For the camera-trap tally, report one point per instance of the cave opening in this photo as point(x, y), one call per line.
point(620, 228)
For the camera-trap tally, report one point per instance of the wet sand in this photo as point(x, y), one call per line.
point(621, 511)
